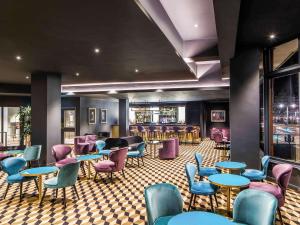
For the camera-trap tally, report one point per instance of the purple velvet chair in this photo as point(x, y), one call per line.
point(226, 134)
point(60, 153)
point(176, 146)
point(282, 174)
point(115, 163)
point(168, 151)
point(81, 147)
point(218, 138)
point(91, 140)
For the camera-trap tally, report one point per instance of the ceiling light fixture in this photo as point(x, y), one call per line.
point(18, 57)
point(27, 77)
point(77, 74)
point(159, 90)
point(112, 92)
point(136, 70)
point(225, 78)
point(196, 25)
point(97, 50)
point(70, 93)
point(272, 36)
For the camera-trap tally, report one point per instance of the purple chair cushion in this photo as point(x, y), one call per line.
point(65, 161)
point(60, 152)
point(104, 166)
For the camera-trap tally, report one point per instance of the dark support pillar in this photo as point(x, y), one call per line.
point(244, 108)
point(123, 117)
point(46, 112)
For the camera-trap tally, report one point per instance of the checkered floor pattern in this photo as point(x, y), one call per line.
point(120, 202)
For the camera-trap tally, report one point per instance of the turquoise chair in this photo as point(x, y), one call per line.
point(199, 188)
point(138, 154)
point(253, 207)
point(12, 166)
point(32, 153)
point(100, 145)
point(204, 171)
point(258, 175)
point(66, 177)
point(163, 201)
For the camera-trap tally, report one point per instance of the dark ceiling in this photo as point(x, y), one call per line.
point(259, 18)
point(61, 35)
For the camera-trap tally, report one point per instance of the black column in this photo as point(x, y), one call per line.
point(46, 112)
point(244, 107)
point(123, 117)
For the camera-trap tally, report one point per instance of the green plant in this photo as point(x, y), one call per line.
point(25, 123)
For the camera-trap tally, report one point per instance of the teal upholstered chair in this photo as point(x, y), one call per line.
point(204, 171)
point(163, 201)
point(253, 207)
point(258, 175)
point(32, 153)
point(199, 188)
point(138, 154)
point(100, 147)
point(12, 166)
point(66, 177)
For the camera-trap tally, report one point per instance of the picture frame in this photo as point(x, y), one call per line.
point(218, 116)
point(92, 115)
point(103, 115)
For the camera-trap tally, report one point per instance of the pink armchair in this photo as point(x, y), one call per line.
point(282, 174)
point(168, 151)
point(85, 144)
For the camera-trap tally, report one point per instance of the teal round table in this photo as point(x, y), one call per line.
point(229, 181)
point(14, 152)
point(39, 172)
point(197, 218)
point(88, 159)
point(229, 165)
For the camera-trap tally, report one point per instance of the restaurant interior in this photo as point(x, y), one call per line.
point(157, 112)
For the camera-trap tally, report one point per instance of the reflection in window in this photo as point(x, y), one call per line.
point(286, 118)
point(69, 118)
point(285, 54)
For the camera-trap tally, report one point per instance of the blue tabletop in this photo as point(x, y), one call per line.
point(14, 152)
point(230, 180)
point(39, 171)
point(88, 157)
point(231, 165)
point(196, 218)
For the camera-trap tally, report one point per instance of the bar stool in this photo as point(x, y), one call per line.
point(196, 135)
point(175, 132)
point(142, 132)
point(133, 131)
point(151, 133)
point(182, 134)
point(189, 135)
point(158, 133)
point(165, 133)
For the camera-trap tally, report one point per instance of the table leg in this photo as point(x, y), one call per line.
point(151, 151)
point(154, 151)
point(89, 170)
point(228, 199)
point(40, 179)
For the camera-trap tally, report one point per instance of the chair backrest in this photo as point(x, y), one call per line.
point(79, 139)
point(282, 174)
point(119, 158)
point(60, 152)
point(100, 145)
point(189, 129)
point(162, 200)
point(141, 148)
point(253, 207)
point(199, 160)
point(32, 153)
point(265, 163)
point(191, 171)
point(169, 144)
point(67, 175)
point(140, 128)
point(90, 137)
point(218, 137)
point(13, 165)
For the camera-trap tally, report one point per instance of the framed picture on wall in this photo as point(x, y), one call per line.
point(217, 116)
point(92, 115)
point(103, 115)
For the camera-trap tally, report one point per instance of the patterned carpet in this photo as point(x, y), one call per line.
point(121, 202)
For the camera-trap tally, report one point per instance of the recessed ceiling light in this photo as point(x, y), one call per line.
point(136, 70)
point(112, 92)
point(272, 36)
point(97, 50)
point(77, 74)
point(18, 57)
point(225, 78)
point(196, 25)
point(27, 77)
point(70, 93)
point(159, 90)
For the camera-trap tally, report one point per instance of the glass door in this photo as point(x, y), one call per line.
point(69, 125)
point(9, 126)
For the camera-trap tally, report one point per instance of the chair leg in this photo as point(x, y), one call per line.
point(43, 196)
point(95, 177)
point(211, 203)
point(123, 172)
point(111, 177)
point(191, 200)
point(280, 217)
point(56, 192)
point(138, 159)
point(64, 197)
point(36, 184)
point(21, 189)
point(74, 187)
point(7, 187)
point(216, 200)
point(195, 201)
point(143, 161)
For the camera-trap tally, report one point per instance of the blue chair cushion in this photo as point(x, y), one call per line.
point(133, 154)
point(162, 220)
point(51, 183)
point(207, 171)
point(254, 175)
point(203, 188)
point(18, 178)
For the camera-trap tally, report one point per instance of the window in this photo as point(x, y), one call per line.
point(10, 126)
point(285, 54)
